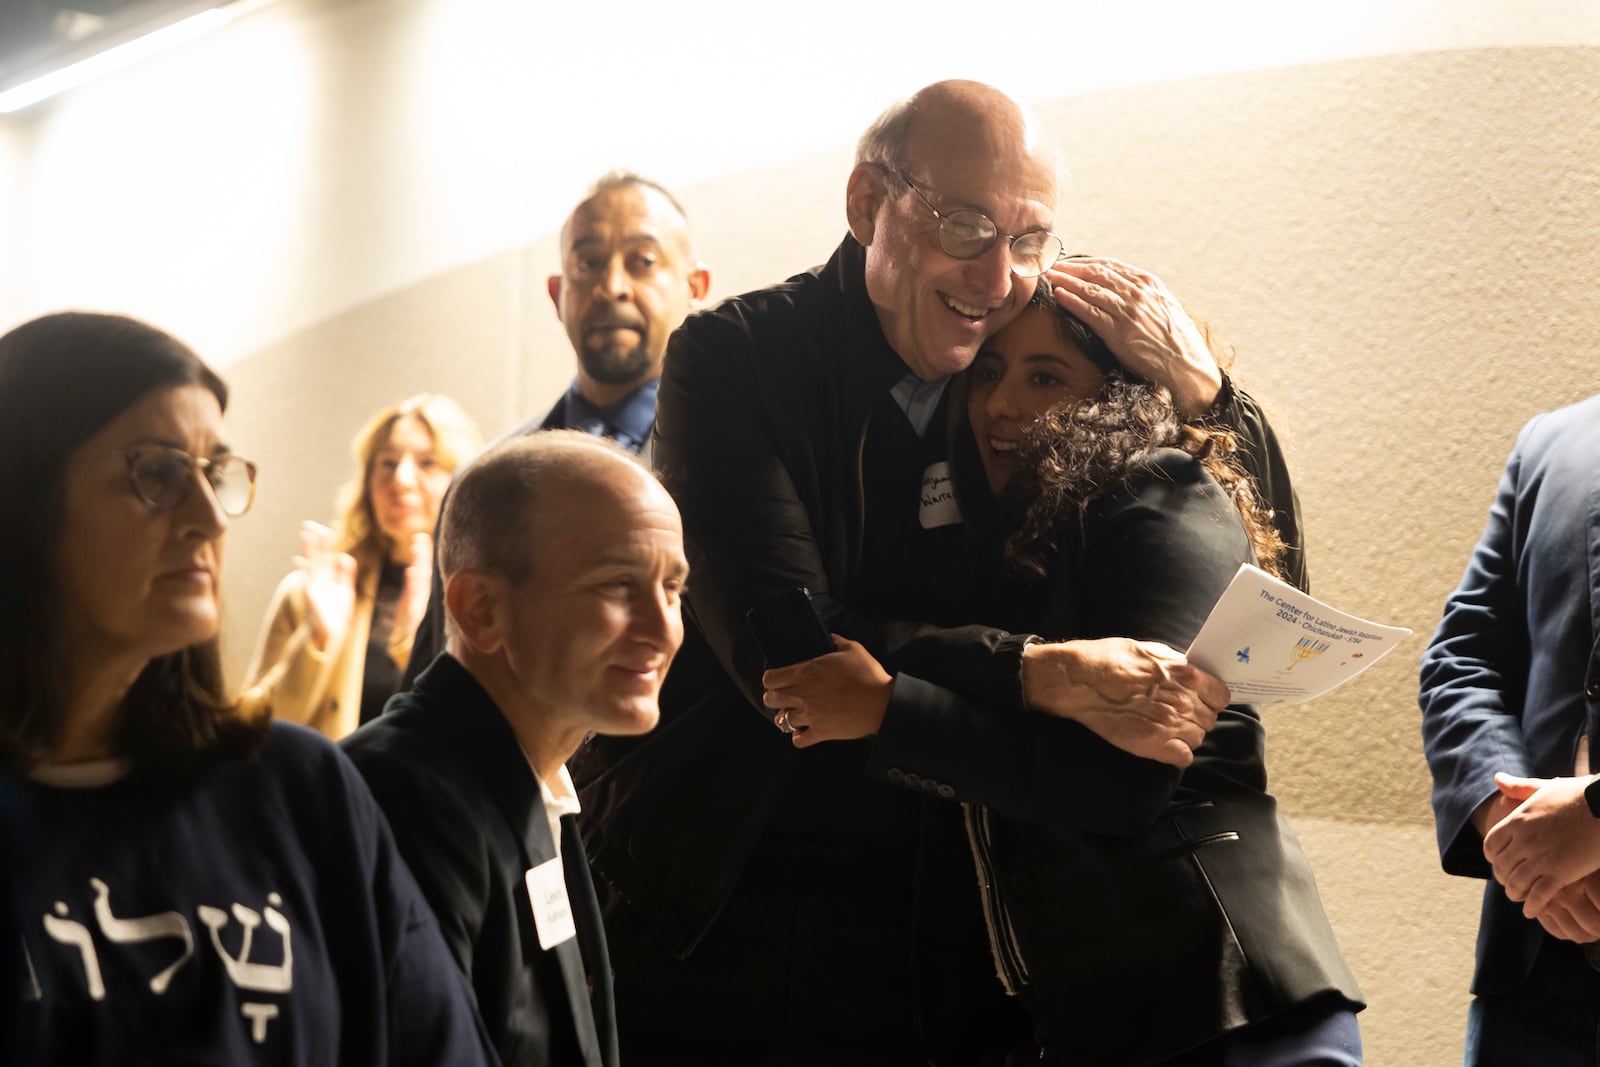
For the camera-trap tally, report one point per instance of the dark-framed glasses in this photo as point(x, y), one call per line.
point(163, 477)
point(968, 234)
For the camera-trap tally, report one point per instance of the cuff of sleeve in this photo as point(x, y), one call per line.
point(1462, 853)
point(1220, 408)
point(1009, 652)
point(1591, 796)
point(905, 699)
point(901, 736)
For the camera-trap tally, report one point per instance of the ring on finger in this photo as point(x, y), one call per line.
point(781, 721)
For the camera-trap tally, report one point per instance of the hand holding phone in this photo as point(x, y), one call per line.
point(788, 628)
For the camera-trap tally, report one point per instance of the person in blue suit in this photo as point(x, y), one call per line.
point(1510, 692)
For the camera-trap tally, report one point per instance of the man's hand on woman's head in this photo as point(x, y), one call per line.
point(1143, 324)
point(1140, 696)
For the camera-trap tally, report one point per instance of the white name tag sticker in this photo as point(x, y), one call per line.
point(552, 911)
point(938, 497)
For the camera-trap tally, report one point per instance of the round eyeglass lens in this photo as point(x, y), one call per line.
point(231, 482)
point(1034, 253)
point(965, 234)
point(159, 477)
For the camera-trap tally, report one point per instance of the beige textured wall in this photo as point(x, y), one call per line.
point(1403, 251)
point(1401, 248)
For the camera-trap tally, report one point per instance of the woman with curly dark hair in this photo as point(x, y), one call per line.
point(202, 885)
point(1158, 916)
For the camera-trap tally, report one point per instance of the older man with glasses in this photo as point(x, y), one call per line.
point(778, 906)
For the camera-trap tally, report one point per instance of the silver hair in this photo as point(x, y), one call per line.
point(884, 142)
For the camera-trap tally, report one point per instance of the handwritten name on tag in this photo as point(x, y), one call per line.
point(552, 911)
point(939, 506)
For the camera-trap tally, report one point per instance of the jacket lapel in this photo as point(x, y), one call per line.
point(508, 779)
point(592, 1032)
point(539, 847)
point(1592, 539)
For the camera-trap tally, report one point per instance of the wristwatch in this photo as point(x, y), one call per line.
point(1591, 796)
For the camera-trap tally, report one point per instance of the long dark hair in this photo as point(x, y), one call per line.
point(1079, 452)
point(63, 378)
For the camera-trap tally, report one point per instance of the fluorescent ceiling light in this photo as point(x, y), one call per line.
point(70, 77)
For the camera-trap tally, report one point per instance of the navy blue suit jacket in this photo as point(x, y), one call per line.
point(1511, 680)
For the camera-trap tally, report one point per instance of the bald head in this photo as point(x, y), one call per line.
point(666, 209)
point(563, 567)
point(957, 116)
point(954, 147)
point(628, 279)
point(490, 519)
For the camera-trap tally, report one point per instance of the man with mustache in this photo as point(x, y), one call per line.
point(628, 279)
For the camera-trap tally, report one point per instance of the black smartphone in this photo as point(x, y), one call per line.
point(788, 628)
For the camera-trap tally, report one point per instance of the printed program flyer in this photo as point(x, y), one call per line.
point(1274, 644)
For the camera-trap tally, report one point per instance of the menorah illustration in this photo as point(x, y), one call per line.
point(1304, 649)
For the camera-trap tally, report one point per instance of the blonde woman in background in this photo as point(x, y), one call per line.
point(338, 633)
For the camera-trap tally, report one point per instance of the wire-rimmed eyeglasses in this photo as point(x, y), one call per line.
point(967, 234)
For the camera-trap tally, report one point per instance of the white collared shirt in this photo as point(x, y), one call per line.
point(560, 798)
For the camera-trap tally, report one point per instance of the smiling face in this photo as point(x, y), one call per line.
point(590, 634)
point(138, 582)
point(936, 310)
point(1027, 369)
point(406, 483)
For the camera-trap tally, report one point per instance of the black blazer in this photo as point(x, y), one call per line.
point(467, 813)
point(1211, 911)
point(1139, 911)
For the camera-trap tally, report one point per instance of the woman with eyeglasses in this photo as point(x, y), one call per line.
point(337, 635)
point(204, 885)
point(1151, 916)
